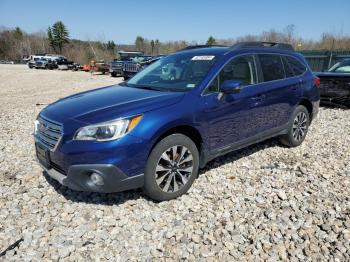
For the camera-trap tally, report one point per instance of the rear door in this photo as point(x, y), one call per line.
point(282, 93)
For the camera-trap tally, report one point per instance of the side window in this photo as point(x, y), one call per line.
point(271, 66)
point(287, 69)
point(240, 69)
point(297, 67)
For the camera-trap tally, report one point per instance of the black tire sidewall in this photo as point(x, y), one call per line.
point(151, 188)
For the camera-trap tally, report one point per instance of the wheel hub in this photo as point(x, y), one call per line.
point(299, 126)
point(174, 168)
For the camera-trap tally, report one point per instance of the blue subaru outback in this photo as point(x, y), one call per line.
point(156, 130)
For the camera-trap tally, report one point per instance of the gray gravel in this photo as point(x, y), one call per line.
point(266, 202)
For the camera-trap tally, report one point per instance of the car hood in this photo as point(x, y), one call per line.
point(332, 74)
point(109, 103)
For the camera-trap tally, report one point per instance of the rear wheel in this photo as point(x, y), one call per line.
point(113, 74)
point(298, 129)
point(171, 167)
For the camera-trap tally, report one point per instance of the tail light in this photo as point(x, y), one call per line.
point(317, 82)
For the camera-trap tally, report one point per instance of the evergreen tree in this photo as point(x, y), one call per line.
point(58, 35)
point(211, 41)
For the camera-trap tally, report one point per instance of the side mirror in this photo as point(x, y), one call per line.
point(230, 87)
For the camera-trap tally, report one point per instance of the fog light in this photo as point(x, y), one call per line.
point(97, 179)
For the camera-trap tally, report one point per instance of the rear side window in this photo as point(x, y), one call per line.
point(297, 67)
point(272, 67)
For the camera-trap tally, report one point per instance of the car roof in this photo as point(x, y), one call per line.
point(222, 50)
point(215, 50)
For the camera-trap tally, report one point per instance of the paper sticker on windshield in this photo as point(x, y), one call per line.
point(190, 85)
point(203, 57)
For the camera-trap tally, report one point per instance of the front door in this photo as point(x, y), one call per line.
point(235, 118)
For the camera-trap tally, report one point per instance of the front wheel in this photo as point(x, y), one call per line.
point(298, 130)
point(171, 168)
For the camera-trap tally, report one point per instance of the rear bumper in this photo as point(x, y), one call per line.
point(78, 178)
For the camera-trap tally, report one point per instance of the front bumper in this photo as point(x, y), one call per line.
point(128, 74)
point(79, 178)
point(116, 71)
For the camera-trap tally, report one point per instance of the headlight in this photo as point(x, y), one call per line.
point(107, 131)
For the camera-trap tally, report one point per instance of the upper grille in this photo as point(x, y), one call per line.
point(130, 67)
point(49, 132)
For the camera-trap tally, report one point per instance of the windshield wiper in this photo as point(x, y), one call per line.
point(146, 87)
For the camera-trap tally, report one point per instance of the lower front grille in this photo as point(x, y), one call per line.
point(57, 168)
point(49, 132)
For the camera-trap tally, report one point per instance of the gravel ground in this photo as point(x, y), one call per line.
point(266, 202)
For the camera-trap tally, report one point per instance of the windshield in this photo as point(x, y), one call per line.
point(341, 67)
point(178, 72)
point(140, 59)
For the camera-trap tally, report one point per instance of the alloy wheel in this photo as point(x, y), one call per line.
point(299, 126)
point(174, 168)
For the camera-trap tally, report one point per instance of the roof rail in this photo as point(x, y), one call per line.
point(199, 46)
point(242, 45)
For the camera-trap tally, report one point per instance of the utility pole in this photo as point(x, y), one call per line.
point(331, 55)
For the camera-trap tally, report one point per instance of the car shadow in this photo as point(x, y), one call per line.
point(240, 153)
point(108, 199)
point(122, 197)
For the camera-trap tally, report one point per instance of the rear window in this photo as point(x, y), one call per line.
point(297, 67)
point(272, 67)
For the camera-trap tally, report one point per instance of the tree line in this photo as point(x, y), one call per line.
point(16, 43)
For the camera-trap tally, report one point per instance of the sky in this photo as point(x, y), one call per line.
point(190, 20)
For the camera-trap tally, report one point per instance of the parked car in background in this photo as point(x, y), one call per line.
point(76, 67)
point(130, 68)
point(32, 59)
point(64, 64)
point(335, 85)
point(116, 66)
point(155, 130)
point(45, 63)
point(7, 62)
point(99, 66)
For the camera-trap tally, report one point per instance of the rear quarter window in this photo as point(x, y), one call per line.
point(297, 67)
point(272, 67)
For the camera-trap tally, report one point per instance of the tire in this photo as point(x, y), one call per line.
point(125, 78)
point(113, 74)
point(172, 179)
point(298, 129)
